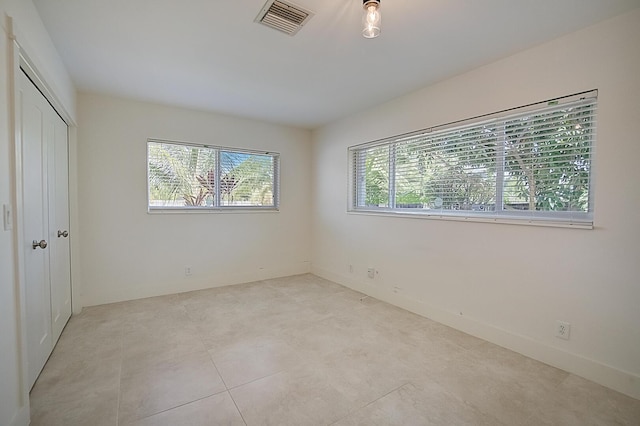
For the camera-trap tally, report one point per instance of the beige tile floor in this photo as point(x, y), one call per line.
point(298, 351)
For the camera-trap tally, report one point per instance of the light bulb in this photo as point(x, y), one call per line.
point(371, 20)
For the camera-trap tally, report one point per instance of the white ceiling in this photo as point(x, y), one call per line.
point(210, 55)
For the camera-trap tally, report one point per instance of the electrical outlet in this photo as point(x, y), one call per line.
point(351, 269)
point(371, 273)
point(187, 271)
point(563, 330)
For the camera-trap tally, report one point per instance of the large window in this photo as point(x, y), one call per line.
point(201, 177)
point(529, 164)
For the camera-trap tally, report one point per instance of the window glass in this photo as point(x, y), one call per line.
point(182, 176)
point(533, 163)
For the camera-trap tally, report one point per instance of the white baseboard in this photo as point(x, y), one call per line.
point(621, 381)
point(222, 280)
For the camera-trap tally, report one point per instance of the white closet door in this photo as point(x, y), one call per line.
point(45, 197)
point(58, 156)
point(35, 133)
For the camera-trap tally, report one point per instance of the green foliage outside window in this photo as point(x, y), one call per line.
point(197, 176)
point(536, 162)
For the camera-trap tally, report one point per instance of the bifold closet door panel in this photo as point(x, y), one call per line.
point(59, 228)
point(36, 131)
point(45, 220)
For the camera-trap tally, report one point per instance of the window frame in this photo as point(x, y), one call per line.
point(217, 208)
point(570, 219)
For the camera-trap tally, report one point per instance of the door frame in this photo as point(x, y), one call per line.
point(19, 57)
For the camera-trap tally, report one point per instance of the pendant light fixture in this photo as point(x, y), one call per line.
point(371, 19)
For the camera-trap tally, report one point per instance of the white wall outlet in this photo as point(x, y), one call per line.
point(7, 217)
point(351, 269)
point(371, 273)
point(563, 330)
point(187, 271)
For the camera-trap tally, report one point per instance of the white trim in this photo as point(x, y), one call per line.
point(488, 218)
point(15, 121)
point(34, 70)
point(74, 228)
point(207, 210)
point(218, 147)
point(611, 377)
point(220, 280)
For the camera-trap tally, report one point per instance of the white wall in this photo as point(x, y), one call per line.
point(128, 253)
point(34, 40)
point(508, 283)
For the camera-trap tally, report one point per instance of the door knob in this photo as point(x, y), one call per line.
point(42, 244)
point(63, 234)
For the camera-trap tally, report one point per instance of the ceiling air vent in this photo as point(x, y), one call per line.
point(283, 16)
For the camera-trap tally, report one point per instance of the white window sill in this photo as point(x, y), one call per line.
point(554, 222)
point(215, 210)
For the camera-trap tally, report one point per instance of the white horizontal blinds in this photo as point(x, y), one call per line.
point(180, 175)
point(548, 159)
point(247, 179)
point(534, 161)
point(448, 170)
point(372, 176)
point(188, 176)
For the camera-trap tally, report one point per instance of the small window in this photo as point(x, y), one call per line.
point(201, 177)
point(528, 164)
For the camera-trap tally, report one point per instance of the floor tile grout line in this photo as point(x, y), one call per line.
point(237, 408)
point(369, 403)
point(177, 406)
point(257, 379)
point(225, 384)
point(226, 387)
point(183, 308)
point(217, 370)
point(209, 351)
point(221, 378)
